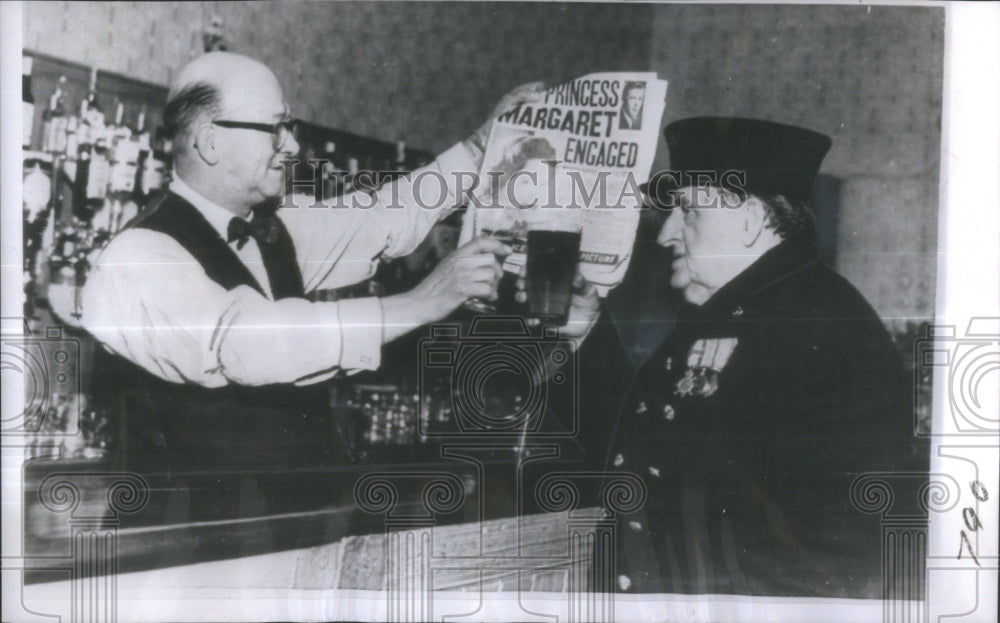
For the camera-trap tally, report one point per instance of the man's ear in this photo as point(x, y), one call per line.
point(206, 143)
point(755, 220)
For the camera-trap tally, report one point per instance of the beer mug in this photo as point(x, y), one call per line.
point(552, 255)
point(496, 223)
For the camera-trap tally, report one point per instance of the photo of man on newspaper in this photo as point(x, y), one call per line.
point(631, 115)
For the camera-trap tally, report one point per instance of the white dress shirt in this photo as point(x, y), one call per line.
point(148, 299)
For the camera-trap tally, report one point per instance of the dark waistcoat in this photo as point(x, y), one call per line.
point(178, 428)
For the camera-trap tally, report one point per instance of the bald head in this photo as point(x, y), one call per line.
point(229, 73)
point(224, 114)
point(215, 85)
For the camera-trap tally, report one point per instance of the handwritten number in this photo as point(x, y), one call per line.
point(971, 519)
point(979, 491)
point(967, 545)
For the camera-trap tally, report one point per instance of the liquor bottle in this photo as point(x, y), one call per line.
point(82, 132)
point(27, 102)
point(72, 136)
point(124, 155)
point(81, 181)
point(47, 114)
point(119, 131)
point(92, 120)
point(100, 174)
point(55, 202)
point(95, 114)
point(54, 121)
point(139, 190)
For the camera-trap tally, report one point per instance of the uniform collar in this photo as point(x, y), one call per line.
point(775, 265)
point(217, 216)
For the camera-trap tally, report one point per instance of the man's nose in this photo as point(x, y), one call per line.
point(290, 146)
point(670, 232)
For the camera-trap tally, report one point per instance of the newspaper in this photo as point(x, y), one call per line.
point(573, 159)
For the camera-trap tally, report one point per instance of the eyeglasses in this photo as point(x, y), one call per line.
point(279, 131)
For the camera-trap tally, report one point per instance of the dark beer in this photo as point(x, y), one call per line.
point(552, 257)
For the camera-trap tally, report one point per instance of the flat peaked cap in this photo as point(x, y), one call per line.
point(777, 159)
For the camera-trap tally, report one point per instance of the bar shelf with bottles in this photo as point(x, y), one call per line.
point(87, 173)
point(91, 162)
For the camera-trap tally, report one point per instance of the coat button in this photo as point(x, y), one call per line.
point(624, 582)
point(619, 459)
point(668, 412)
point(641, 408)
point(737, 312)
point(655, 471)
point(635, 526)
point(668, 364)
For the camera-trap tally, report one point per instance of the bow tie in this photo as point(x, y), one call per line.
point(263, 228)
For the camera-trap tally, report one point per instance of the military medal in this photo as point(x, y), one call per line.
point(706, 359)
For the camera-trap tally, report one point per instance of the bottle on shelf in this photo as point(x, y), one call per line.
point(139, 190)
point(72, 137)
point(124, 156)
point(100, 175)
point(54, 121)
point(95, 114)
point(81, 179)
point(119, 132)
point(92, 125)
point(27, 102)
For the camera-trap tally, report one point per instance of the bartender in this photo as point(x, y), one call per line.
point(216, 354)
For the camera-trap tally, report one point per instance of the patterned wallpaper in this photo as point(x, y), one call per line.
point(425, 72)
point(429, 72)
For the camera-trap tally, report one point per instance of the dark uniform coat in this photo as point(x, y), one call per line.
point(748, 426)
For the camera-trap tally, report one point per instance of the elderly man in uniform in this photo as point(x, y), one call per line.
point(777, 388)
point(201, 301)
